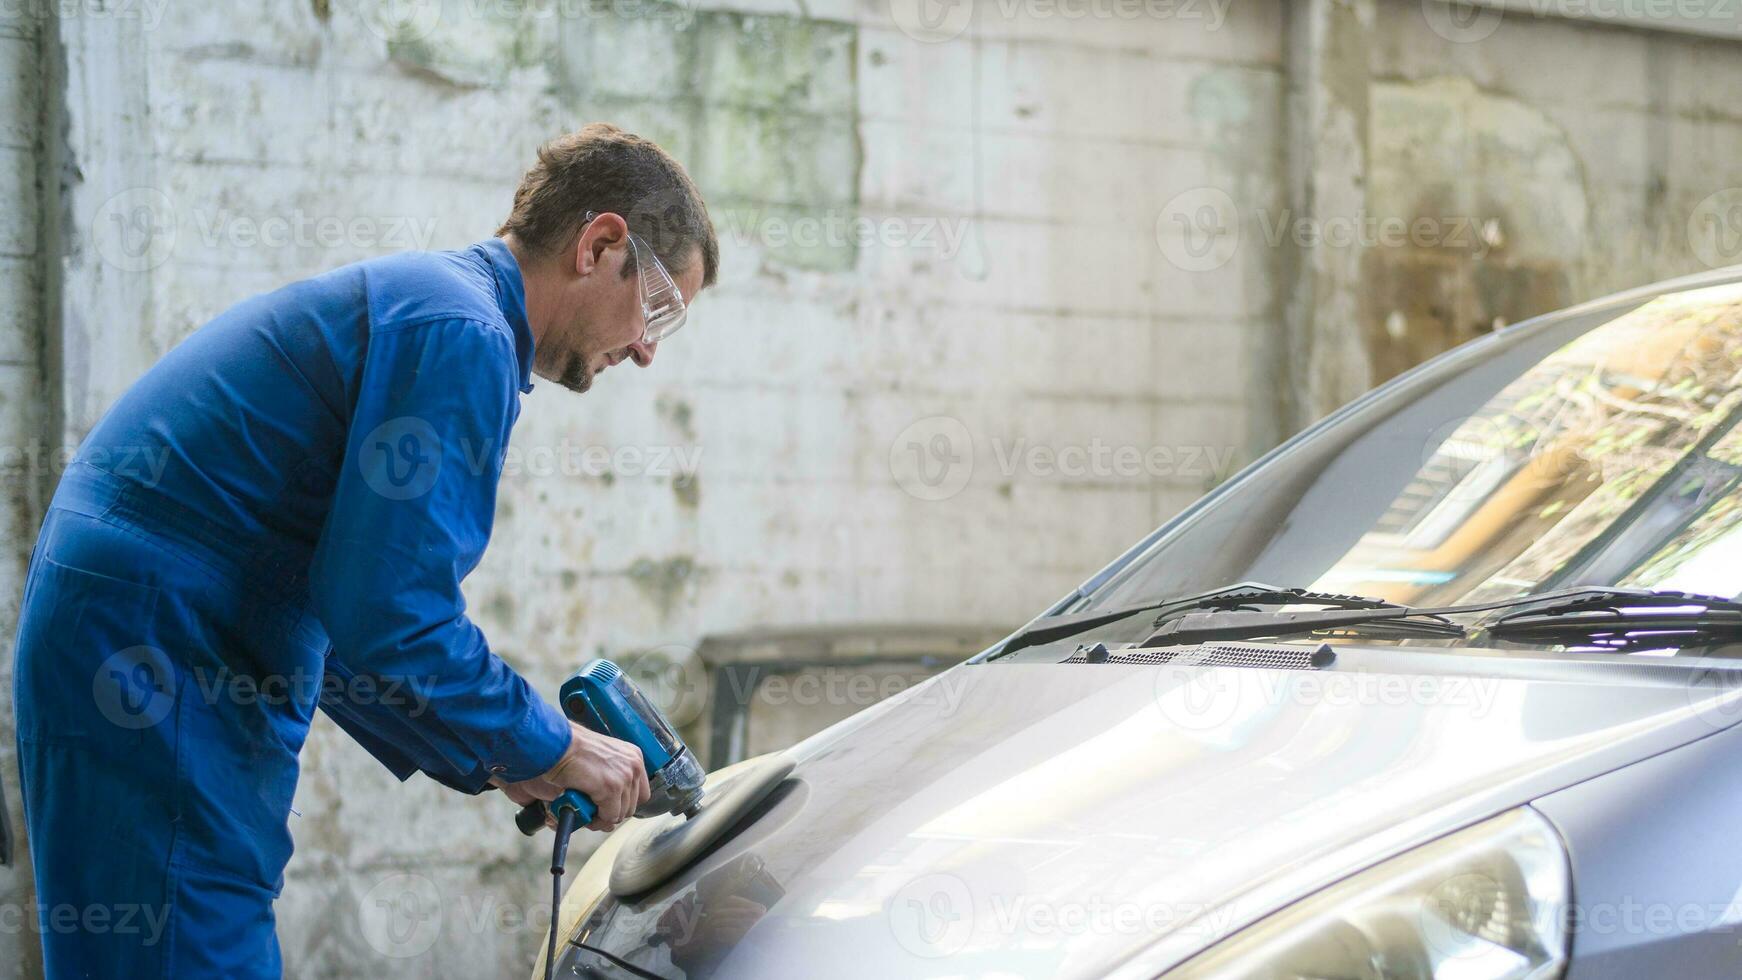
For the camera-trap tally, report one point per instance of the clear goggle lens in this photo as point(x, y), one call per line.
point(662, 306)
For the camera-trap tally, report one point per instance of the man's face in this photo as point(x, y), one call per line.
point(601, 322)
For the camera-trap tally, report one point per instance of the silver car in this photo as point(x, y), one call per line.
point(1446, 686)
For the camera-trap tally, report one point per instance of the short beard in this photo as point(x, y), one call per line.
point(577, 376)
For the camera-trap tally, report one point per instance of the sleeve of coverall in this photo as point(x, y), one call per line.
point(411, 514)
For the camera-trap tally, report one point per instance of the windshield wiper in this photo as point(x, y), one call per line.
point(1222, 602)
point(1622, 619)
point(1400, 621)
point(1619, 618)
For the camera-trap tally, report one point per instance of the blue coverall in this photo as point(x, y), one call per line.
point(277, 515)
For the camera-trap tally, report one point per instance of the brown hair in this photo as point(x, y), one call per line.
point(601, 168)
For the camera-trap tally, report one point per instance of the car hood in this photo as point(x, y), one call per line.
point(1076, 819)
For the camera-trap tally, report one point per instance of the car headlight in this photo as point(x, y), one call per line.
point(1485, 903)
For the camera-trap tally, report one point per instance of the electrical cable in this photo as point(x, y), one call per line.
point(559, 855)
point(556, 897)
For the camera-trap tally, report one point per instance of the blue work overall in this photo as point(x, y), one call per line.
point(275, 518)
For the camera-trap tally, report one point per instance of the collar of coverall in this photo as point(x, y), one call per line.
point(511, 297)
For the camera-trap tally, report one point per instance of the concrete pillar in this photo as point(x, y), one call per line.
point(75, 261)
point(1327, 64)
point(21, 271)
point(115, 223)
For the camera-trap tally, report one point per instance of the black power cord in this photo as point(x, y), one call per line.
point(559, 855)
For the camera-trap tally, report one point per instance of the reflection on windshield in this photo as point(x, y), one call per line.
point(1605, 428)
point(1610, 456)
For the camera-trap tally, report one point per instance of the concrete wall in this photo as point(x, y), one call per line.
point(21, 387)
point(1070, 313)
point(1580, 175)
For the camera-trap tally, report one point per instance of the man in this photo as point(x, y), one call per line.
point(325, 460)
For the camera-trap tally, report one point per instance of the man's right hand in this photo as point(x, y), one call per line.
point(608, 770)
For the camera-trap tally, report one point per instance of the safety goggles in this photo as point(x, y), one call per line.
point(662, 306)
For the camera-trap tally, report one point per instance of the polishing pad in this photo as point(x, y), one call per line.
point(659, 847)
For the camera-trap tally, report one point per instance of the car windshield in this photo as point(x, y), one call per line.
point(1597, 447)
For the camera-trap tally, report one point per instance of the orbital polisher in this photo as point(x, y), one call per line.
point(602, 698)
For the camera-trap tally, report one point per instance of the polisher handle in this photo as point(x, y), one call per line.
point(530, 819)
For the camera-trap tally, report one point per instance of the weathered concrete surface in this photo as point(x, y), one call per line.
point(22, 271)
point(1584, 158)
point(1330, 122)
point(1089, 235)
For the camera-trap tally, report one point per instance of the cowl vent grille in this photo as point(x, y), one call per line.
point(1256, 655)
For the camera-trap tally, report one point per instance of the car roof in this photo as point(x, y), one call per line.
point(1639, 294)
